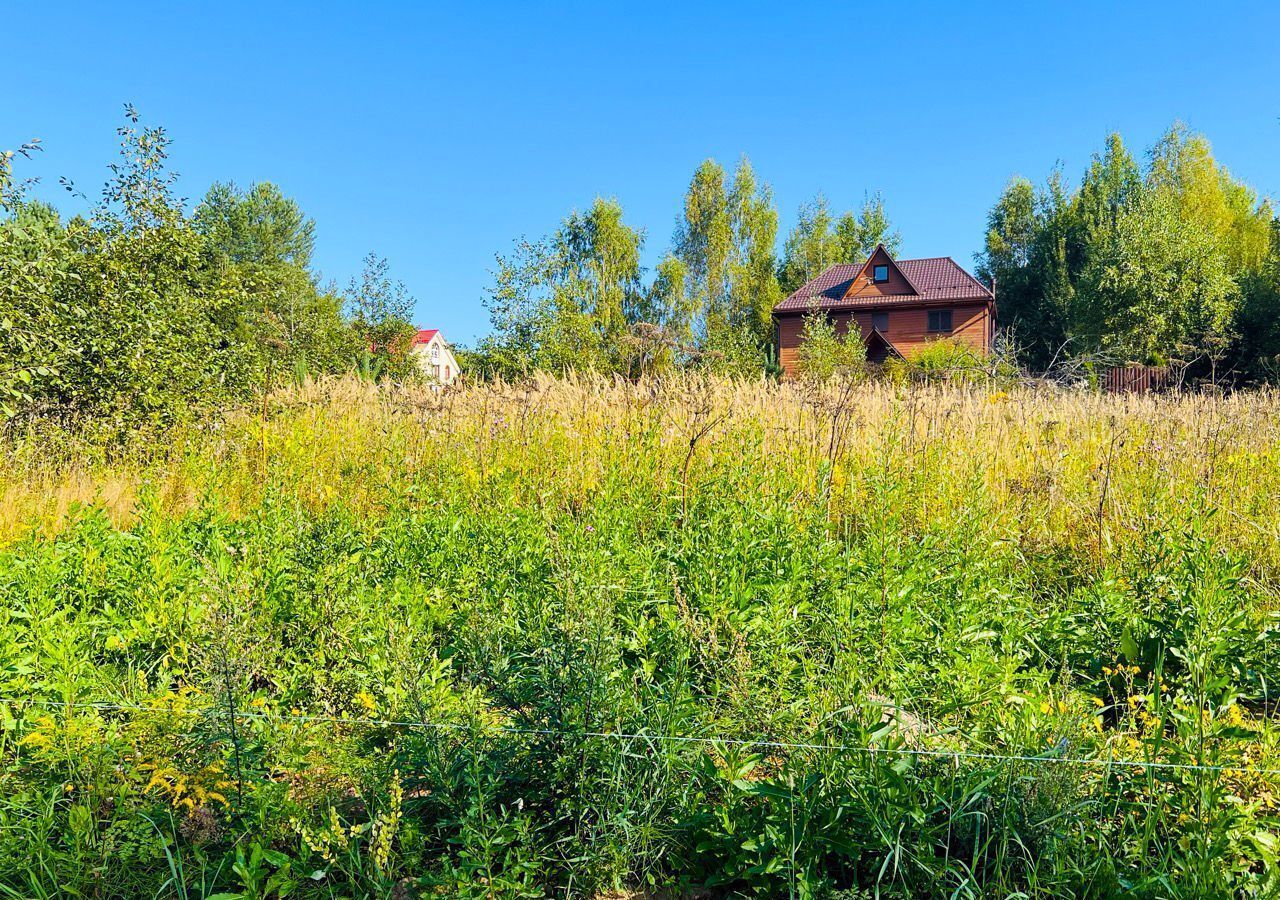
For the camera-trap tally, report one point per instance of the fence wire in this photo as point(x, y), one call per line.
point(654, 737)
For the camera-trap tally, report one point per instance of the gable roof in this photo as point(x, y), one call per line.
point(425, 335)
point(879, 257)
point(877, 337)
point(937, 279)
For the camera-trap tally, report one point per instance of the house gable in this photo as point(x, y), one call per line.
point(880, 348)
point(880, 276)
point(434, 355)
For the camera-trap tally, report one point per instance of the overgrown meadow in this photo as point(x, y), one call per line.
point(680, 638)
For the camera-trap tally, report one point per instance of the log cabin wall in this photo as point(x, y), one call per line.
point(908, 329)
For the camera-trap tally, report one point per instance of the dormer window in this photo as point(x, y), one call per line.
point(881, 273)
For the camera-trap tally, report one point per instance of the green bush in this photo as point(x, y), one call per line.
point(949, 360)
point(142, 316)
point(824, 353)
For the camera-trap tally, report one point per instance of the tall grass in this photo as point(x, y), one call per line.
point(676, 636)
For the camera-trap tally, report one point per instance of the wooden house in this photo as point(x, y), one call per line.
point(897, 305)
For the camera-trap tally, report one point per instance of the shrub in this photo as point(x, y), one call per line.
point(949, 360)
point(824, 354)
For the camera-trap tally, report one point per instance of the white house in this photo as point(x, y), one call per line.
point(434, 356)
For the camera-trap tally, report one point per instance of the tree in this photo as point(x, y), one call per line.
point(810, 247)
point(1133, 265)
point(571, 300)
point(259, 243)
point(857, 236)
point(598, 257)
point(726, 242)
point(259, 225)
point(1024, 261)
point(1159, 286)
point(1113, 182)
point(753, 280)
point(818, 240)
point(33, 262)
point(381, 312)
point(703, 242)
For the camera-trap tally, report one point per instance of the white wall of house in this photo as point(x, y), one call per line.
point(436, 360)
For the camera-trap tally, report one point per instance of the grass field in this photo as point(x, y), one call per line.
point(682, 638)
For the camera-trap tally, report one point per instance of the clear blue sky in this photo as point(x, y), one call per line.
point(437, 135)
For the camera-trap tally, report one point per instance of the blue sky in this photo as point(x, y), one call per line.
point(436, 135)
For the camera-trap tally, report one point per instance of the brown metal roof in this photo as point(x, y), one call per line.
point(936, 280)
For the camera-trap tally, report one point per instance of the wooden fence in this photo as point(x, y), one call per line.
point(1138, 379)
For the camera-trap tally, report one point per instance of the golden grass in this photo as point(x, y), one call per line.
point(1043, 465)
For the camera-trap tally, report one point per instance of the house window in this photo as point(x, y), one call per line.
point(446, 373)
point(880, 322)
point(435, 351)
point(940, 320)
point(881, 273)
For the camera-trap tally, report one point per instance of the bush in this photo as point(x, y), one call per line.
point(141, 316)
point(732, 352)
point(824, 354)
point(949, 360)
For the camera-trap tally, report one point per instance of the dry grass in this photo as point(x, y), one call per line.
point(1052, 466)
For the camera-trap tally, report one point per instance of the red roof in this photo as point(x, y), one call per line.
point(936, 280)
point(425, 335)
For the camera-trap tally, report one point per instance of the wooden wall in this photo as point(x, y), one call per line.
point(908, 329)
point(896, 285)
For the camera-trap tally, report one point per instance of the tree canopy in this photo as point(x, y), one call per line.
point(581, 297)
point(1144, 263)
point(140, 313)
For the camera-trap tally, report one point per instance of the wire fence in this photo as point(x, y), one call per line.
point(1053, 757)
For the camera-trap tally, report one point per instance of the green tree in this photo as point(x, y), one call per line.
point(572, 300)
point(1160, 286)
point(753, 281)
point(819, 240)
point(1023, 261)
point(811, 246)
point(726, 241)
point(704, 242)
point(858, 235)
point(259, 243)
point(1134, 264)
point(381, 310)
point(34, 257)
point(598, 268)
point(1113, 182)
point(260, 225)
point(138, 315)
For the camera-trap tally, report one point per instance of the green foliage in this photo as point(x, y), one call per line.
point(824, 353)
point(725, 238)
point(732, 352)
point(577, 299)
point(818, 240)
point(569, 301)
point(952, 361)
point(381, 310)
point(662, 646)
point(1135, 266)
point(260, 226)
point(139, 315)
